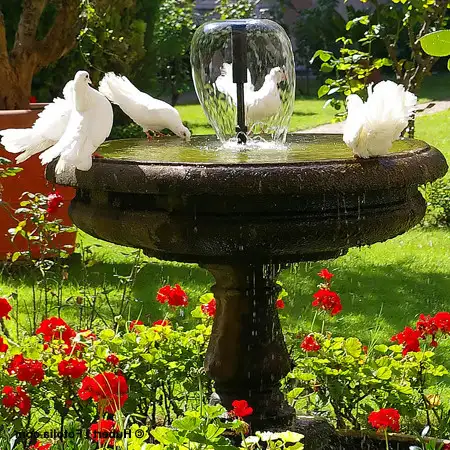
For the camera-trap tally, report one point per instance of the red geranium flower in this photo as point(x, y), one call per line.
point(68, 403)
point(365, 349)
point(39, 446)
point(328, 301)
point(55, 328)
point(103, 432)
point(113, 359)
point(26, 369)
point(162, 322)
point(309, 344)
point(72, 367)
point(409, 338)
point(326, 274)
point(279, 304)
point(174, 296)
point(133, 323)
point(384, 419)
point(442, 321)
point(54, 202)
point(16, 397)
point(209, 308)
point(109, 390)
point(5, 308)
point(3, 345)
point(241, 409)
point(32, 99)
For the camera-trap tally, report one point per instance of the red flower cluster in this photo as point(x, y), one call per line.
point(328, 301)
point(133, 323)
point(162, 322)
point(241, 409)
point(384, 419)
point(16, 397)
point(309, 344)
point(55, 328)
point(3, 345)
point(26, 369)
point(103, 432)
point(113, 359)
point(326, 275)
point(174, 296)
point(73, 368)
point(209, 308)
point(109, 390)
point(409, 338)
point(54, 202)
point(39, 446)
point(5, 308)
point(430, 326)
point(279, 304)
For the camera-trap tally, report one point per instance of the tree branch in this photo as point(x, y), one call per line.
point(28, 23)
point(62, 36)
point(3, 44)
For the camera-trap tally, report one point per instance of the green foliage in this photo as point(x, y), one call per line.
point(437, 44)
point(241, 9)
point(351, 381)
point(390, 36)
point(6, 170)
point(437, 196)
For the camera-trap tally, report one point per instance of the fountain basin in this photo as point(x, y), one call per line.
point(194, 203)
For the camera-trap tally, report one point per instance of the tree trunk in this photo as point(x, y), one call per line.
point(14, 90)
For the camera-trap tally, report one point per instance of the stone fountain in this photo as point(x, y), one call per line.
point(245, 210)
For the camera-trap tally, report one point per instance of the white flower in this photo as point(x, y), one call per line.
point(250, 440)
point(372, 127)
point(267, 436)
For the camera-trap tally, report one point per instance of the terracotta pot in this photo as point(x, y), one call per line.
point(31, 179)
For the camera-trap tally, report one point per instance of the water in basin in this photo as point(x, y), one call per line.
point(299, 148)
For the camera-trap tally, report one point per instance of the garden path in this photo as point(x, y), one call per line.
point(425, 109)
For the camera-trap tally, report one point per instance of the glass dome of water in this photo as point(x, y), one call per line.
point(244, 76)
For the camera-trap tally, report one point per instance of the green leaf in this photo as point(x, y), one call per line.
point(353, 347)
point(165, 435)
point(326, 68)
point(383, 373)
point(322, 54)
point(206, 298)
point(290, 436)
point(437, 43)
point(187, 423)
point(382, 348)
point(106, 335)
point(448, 64)
point(323, 90)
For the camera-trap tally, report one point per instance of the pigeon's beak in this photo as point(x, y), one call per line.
point(89, 81)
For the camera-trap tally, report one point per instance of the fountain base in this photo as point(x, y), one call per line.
point(247, 355)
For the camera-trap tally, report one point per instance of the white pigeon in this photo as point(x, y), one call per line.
point(90, 123)
point(266, 101)
point(46, 131)
point(224, 83)
point(149, 113)
point(372, 127)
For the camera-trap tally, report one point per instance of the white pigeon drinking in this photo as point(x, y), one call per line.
point(372, 127)
point(90, 123)
point(224, 83)
point(149, 113)
point(46, 131)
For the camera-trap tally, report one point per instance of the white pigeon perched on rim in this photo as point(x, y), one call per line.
point(224, 83)
point(372, 127)
point(149, 113)
point(90, 123)
point(46, 131)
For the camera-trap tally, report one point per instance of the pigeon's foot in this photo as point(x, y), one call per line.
point(97, 155)
point(149, 136)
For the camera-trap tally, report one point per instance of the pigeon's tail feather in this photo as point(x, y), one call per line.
point(25, 141)
point(115, 87)
point(50, 154)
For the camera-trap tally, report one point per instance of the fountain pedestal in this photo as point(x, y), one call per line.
point(247, 356)
point(241, 215)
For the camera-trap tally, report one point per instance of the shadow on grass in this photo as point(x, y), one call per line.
point(300, 113)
